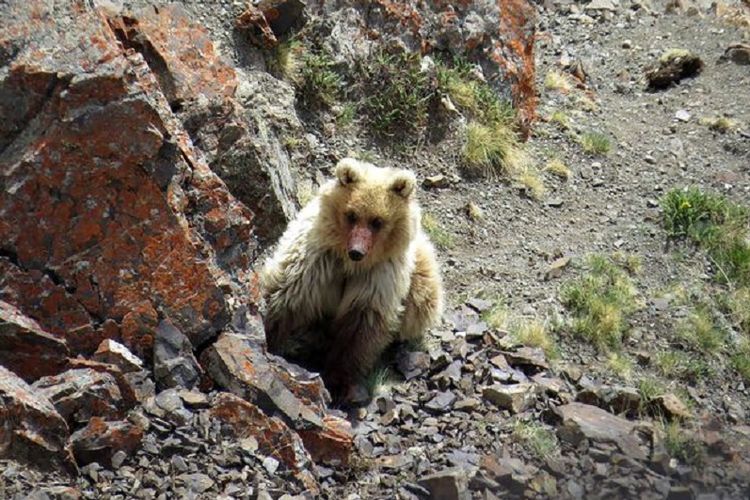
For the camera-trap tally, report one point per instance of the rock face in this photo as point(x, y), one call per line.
point(31, 430)
point(499, 34)
point(109, 218)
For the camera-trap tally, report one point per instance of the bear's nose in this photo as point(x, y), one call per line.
point(356, 255)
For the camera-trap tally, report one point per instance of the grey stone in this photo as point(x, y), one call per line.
point(449, 484)
point(174, 362)
point(514, 398)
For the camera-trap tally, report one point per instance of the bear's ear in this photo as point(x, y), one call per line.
point(347, 171)
point(404, 183)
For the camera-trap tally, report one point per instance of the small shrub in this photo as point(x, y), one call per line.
point(649, 389)
point(558, 168)
point(319, 81)
point(346, 115)
point(560, 119)
point(492, 150)
point(631, 262)
point(474, 212)
point(738, 305)
point(497, 317)
point(601, 301)
point(439, 236)
point(741, 359)
point(595, 143)
point(620, 364)
point(397, 94)
point(537, 438)
point(531, 181)
point(288, 60)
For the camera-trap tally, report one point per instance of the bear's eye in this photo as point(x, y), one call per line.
point(376, 223)
point(351, 217)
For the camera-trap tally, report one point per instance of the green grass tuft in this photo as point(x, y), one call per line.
point(715, 224)
point(319, 83)
point(601, 302)
point(595, 143)
point(700, 332)
point(537, 438)
point(438, 235)
point(676, 364)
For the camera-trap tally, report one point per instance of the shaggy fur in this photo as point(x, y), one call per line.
point(393, 291)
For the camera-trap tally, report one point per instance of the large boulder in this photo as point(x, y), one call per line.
point(110, 219)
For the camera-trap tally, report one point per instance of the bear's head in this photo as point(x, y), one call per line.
point(369, 214)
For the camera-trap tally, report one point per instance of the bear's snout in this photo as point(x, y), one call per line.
point(356, 255)
point(360, 242)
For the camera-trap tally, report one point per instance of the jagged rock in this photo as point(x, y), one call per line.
point(528, 356)
point(241, 366)
point(81, 394)
point(510, 473)
point(332, 444)
point(448, 484)
point(413, 363)
point(26, 349)
point(580, 421)
point(441, 403)
point(32, 431)
point(170, 402)
point(514, 398)
point(274, 437)
point(174, 362)
point(128, 391)
point(225, 121)
point(617, 399)
point(101, 439)
point(114, 215)
point(114, 353)
point(671, 406)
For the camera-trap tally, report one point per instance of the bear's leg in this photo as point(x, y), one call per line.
point(424, 302)
point(361, 336)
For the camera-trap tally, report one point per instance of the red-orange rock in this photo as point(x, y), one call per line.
point(274, 437)
point(101, 439)
point(331, 444)
point(26, 349)
point(30, 428)
point(104, 218)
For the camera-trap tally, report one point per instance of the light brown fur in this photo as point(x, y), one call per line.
point(392, 290)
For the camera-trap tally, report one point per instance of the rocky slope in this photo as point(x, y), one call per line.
point(150, 155)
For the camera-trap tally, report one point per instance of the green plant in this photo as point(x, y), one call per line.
point(595, 143)
point(288, 59)
point(649, 389)
point(719, 124)
point(540, 440)
point(560, 119)
point(682, 445)
point(378, 379)
point(601, 301)
point(439, 236)
point(319, 81)
point(741, 359)
point(492, 149)
point(398, 92)
point(534, 333)
point(681, 365)
point(715, 224)
point(620, 364)
point(700, 331)
point(346, 115)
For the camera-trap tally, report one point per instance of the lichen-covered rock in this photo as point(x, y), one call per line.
point(110, 220)
point(26, 349)
point(31, 430)
point(237, 120)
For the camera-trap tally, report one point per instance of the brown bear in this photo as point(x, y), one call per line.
point(355, 257)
